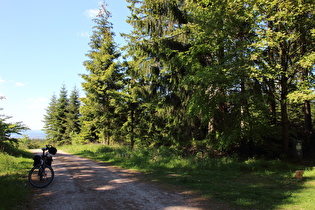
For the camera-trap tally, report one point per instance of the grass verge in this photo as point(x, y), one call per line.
point(257, 184)
point(14, 189)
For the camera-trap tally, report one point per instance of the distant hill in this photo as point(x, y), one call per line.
point(32, 134)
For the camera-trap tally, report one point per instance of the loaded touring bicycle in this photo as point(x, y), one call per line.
point(42, 174)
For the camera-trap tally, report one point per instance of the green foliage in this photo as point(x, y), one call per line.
point(232, 76)
point(284, 40)
point(204, 75)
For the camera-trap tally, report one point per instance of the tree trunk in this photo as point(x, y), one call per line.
point(307, 116)
point(272, 101)
point(132, 140)
point(304, 42)
point(284, 114)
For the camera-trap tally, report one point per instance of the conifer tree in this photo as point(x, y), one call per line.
point(56, 119)
point(73, 114)
point(101, 83)
point(62, 111)
point(51, 120)
point(155, 46)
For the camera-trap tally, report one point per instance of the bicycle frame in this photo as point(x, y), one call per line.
point(42, 174)
point(43, 156)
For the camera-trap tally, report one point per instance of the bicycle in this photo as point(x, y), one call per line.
point(42, 174)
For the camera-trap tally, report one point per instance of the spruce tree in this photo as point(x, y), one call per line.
point(62, 111)
point(156, 72)
point(101, 83)
point(51, 120)
point(73, 115)
point(56, 123)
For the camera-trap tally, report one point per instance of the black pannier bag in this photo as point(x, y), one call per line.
point(52, 150)
point(49, 160)
point(36, 160)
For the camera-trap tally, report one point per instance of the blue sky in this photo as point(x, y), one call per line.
point(42, 46)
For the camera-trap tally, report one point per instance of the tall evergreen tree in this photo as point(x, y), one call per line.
point(56, 118)
point(155, 46)
point(73, 114)
point(62, 112)
point(191, 58)
point(102, 82)
point(51, 120)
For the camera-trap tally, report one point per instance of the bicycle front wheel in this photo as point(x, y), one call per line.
point(41, 176)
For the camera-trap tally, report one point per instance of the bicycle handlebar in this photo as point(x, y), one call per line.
point(47, 147)
point(52, 150)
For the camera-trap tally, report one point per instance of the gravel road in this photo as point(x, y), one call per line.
point(81, 183)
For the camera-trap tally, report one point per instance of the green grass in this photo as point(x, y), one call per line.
point(14, 189)
point(257, 184)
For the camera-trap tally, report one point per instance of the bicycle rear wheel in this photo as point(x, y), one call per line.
point(41, 176)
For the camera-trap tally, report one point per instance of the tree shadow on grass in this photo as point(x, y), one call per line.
point(14, 189)
point(14, 150)
point(243, 186)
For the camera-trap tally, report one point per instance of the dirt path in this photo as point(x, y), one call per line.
point(84, 184)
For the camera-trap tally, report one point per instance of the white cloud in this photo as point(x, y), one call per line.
point(19, 84)
point(91, 13)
